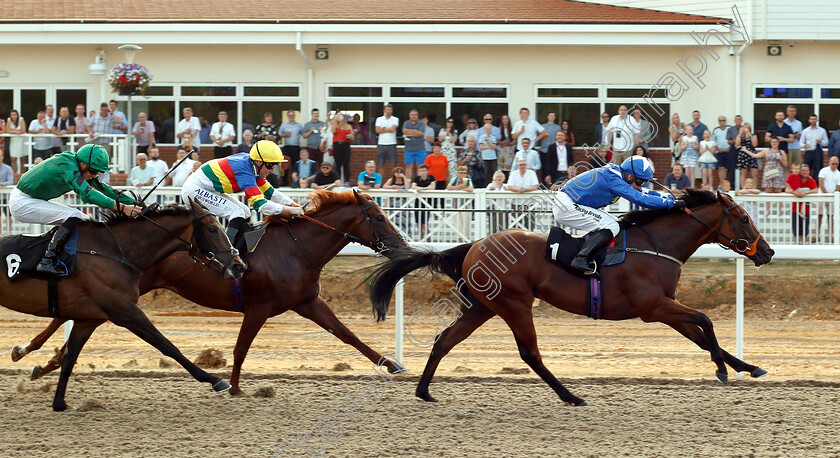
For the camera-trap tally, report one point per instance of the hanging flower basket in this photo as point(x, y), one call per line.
point(129, 79)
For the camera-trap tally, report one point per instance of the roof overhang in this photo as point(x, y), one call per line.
point(357, 34)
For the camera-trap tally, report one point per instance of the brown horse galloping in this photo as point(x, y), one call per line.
point(105, 287)
point(284, 272)
point(507, 270)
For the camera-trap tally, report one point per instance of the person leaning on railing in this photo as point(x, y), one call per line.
point(15, 125)
point(43, 143)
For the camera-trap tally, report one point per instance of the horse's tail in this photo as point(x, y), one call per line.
point(383, 280)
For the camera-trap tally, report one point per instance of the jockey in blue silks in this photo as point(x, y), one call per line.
point(579, 202)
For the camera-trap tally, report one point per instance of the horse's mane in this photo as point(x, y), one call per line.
point(112, 218)
point(693, 198)
point(324, 200)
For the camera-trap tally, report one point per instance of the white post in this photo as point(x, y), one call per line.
point(739, 309)
point(68, 326)
point(398, 317)
point(836, 218)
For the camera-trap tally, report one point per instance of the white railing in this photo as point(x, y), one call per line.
point(121, 158)
point(444, 218)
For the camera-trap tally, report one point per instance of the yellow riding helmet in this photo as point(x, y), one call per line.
point(266, 151)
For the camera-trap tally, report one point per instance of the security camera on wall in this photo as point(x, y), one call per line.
point(774, 50)
point(322, 54)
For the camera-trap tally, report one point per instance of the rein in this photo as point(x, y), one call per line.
point(738, 245)
point(378, 246)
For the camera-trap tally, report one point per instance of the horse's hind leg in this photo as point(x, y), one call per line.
point(319, 312)
point(695, 334)
point(673, 313)
point(53, 364)
point(472, 318)
point(78, 337)
point(521, 321)
point(133, 319)
point(252, 322)
point(19, 352)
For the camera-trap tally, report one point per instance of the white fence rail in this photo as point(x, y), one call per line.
point(121, 158)
point(446, 218)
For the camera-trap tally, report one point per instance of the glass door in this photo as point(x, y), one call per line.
point(31, 102)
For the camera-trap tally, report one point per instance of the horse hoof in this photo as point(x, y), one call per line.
point(236, 392)
point(221, 386)
point(36, 373)
point(582, 403)
point(426, 397)
point(396, 368)
point(722, 377)
point(59, 406)
point(18, 353)
point(758, 373)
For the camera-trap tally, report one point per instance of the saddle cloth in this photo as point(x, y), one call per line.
point(561, 248)
point(250, 237)
point(20, 254)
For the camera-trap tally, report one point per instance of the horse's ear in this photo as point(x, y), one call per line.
point(196, 207)
point(356, 193)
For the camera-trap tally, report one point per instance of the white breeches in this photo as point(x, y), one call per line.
point(28, 209)
point(200, 189)
point(568, 213)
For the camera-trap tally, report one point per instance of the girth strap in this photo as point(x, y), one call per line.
point(52, 296)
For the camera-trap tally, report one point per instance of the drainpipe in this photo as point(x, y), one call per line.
point(310, 74)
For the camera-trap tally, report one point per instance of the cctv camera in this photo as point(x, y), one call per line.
point(731, 51)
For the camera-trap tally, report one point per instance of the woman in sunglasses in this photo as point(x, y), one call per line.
point(578, 203)
point(215, 180)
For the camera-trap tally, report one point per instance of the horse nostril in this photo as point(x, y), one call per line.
point(770, 251)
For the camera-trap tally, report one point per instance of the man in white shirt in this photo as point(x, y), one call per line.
point(43, 147)
point(49, 113)
point(189, 125)
point(812, 137)
point(829, 180)
point(222, 135)
point(530, 156)
point(386, 144)
point(527, 128)
point(179, 175)
point(142, 175)
point(523, 180)
point(157, 163)
point(620, 135)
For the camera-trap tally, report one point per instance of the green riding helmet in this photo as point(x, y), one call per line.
point(94, 156)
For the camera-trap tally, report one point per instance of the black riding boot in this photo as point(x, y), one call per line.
point(59, 238)
point(584, 261)
point(233, 229)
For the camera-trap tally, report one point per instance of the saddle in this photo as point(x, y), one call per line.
point(20, 254)
point(250, 237)
point(561, 248)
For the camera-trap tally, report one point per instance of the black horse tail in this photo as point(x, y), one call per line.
point(384, 279)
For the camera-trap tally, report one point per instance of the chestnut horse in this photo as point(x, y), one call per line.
point(507, 270)
point(283, 274)
point(104, 285)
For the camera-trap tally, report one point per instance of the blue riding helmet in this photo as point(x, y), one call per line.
point(637, 166)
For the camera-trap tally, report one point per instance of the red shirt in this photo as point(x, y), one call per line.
point(340, 135)
point(795, 182)
point(437, 166)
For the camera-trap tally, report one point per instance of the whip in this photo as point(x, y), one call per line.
point(164, 177)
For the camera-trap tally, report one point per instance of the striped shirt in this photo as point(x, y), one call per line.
point(235, 173)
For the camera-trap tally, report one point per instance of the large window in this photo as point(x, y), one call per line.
point(436, 101)
point(819, 100)
point(583, 105)
point(245, 105)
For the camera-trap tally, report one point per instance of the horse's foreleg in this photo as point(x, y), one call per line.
point(18, 352)
point(132, 318)
point(319, 312)
point(471, 319)
point(673, 313)
point(252, 322)
point(78, 337)
point(695, 334)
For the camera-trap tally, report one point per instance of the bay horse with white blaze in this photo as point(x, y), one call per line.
point(284, 273)
point(643, 286)
point(104, 287)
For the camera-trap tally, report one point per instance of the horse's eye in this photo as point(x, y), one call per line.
point(213, 230)
point(745, 219)
point(380, 218)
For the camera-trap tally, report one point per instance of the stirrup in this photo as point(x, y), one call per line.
point(52, 267)
point(590, 268)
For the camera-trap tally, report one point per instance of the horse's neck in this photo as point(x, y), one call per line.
point(154, 244)
point(680, 235)
point(320, 243)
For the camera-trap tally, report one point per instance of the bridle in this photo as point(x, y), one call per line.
point(378, 245)
point(738, 245)
point(198, 242)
